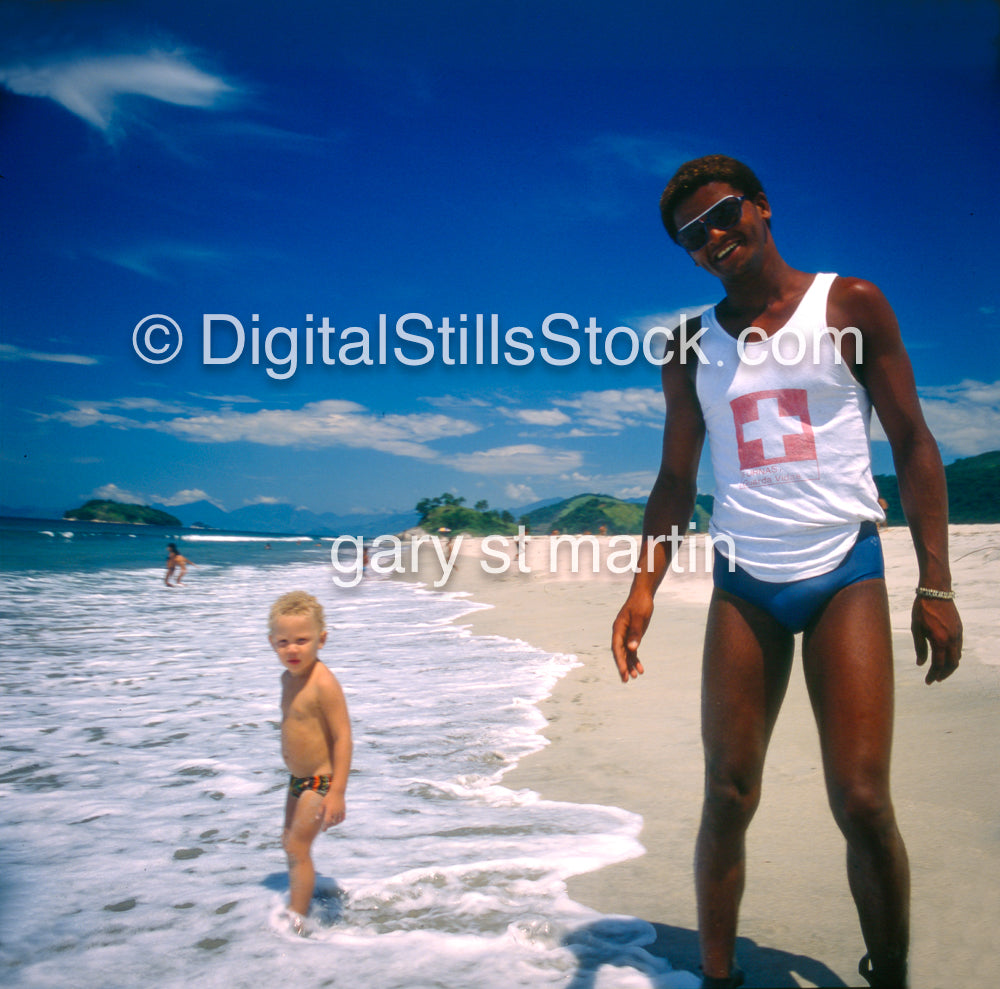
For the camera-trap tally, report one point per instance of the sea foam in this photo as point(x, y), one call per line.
point(143, 792)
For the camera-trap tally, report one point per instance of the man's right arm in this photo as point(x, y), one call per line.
point(668, 512)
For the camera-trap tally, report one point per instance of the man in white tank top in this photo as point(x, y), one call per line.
point(797, 508)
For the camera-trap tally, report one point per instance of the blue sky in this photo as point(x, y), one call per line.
point(350, 161)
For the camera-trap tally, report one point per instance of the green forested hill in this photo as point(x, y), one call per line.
point(973, 497)
point(587, 513)
point(973, 490)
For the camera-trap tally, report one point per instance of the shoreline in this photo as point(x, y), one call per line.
point(638, 747)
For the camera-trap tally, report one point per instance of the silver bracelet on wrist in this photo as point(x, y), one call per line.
point(930, 592)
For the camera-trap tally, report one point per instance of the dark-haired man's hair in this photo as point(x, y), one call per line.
point(694, 174)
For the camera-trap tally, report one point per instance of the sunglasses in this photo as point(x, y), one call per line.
point(724, 214)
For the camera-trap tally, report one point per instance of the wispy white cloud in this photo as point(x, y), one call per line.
point(649, 155)
point(83, 414)
point(619, 166)
point(330, 423)
point(457, 402)
point(142, 404)
point(287, 140)
point(108, 412)
point(93, 86)
point(157, 260)
point(8, 352)
point(524, 459)
point(227, 399)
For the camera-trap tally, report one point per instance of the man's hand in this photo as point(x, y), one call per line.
point(935, 623)
point(627, 632)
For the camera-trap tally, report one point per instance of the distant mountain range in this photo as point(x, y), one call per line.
point(289, 519)
point(973, 495)
point(274, 519)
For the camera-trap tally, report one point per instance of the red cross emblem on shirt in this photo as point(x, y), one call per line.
point(773, 427)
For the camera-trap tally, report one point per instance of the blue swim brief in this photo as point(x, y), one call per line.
point(795, 603)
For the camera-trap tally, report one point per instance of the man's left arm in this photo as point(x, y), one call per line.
point(884, 368)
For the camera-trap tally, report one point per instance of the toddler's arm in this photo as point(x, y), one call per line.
point(334, 707)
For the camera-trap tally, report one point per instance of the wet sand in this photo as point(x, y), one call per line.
point(637, 746)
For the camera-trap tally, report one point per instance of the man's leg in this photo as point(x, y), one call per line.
point(745, 672)
point(847, 657)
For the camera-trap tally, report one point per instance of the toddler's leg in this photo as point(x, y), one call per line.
point(301, 828)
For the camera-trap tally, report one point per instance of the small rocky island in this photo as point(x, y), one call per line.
point(103, 510)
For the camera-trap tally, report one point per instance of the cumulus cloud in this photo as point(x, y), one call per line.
point(520, 494)
point(629, 484)
point(537, 417)
point(596, 412)
point(526, 458)
point(187, 497)
point(965, 417)
point(611, 411)
point(328, 423)
point(8, 352)
point(111, 492)
point(93, 86)
point(653, 326)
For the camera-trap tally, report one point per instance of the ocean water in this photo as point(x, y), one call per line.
point(142, 787)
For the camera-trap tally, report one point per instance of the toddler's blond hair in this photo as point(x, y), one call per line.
point(296, 603)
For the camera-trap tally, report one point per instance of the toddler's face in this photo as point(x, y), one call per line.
point(297, 639)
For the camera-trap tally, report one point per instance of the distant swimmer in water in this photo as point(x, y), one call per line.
point(175, 562)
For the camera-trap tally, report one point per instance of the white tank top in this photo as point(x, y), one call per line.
point(789, 441)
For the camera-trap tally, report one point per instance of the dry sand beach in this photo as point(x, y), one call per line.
point(637, 746)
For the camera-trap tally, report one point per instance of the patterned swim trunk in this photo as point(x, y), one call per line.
point(297, 785)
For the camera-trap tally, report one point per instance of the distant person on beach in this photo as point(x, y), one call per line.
point(175, 562)
point(315, 739)
point(796, 545)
